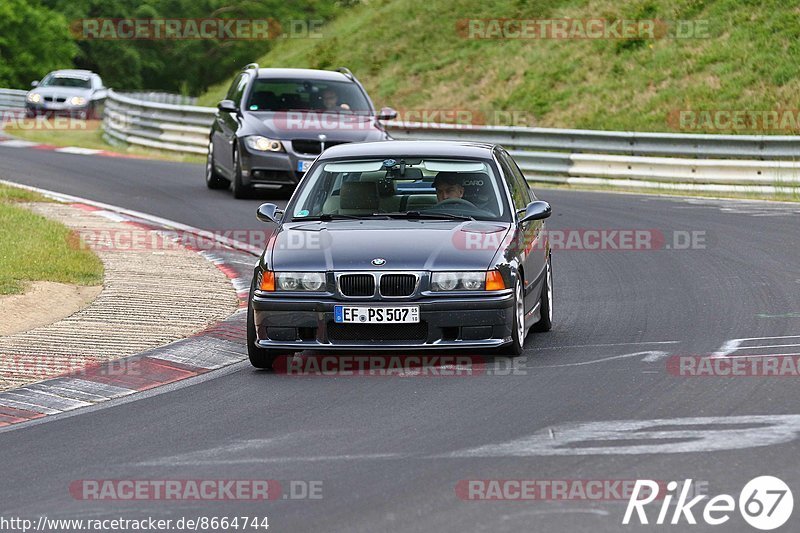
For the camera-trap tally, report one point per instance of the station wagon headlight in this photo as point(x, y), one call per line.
point(262, 144)
point(464, 281)
point(34, 98)
point(77, 100)
point(300, 281)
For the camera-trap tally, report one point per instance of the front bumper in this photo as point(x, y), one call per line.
point(273, 168)
point(445, 323)
point(55, 108)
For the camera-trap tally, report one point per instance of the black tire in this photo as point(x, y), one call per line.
point(240, 190)
point(514, 348)
point(545, 322)
point(259, 357)
point(213, 178)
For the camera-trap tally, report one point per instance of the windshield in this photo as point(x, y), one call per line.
point(403, 188)
point(65, 81)
point(307, 95)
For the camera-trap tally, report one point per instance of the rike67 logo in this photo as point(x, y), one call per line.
point(765, 502)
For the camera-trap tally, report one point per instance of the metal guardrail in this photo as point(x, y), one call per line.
point(659, 160)
point(12, 99)
point(161, 97)
point(177, 128)
point(612, 142)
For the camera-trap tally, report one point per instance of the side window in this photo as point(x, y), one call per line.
point(521, 181)
point(519, 191)
point(237, 88)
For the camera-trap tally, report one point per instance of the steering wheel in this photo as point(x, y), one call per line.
point(455, 202)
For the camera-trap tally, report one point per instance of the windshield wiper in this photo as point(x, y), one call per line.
point(326, 217)
point(426, 215)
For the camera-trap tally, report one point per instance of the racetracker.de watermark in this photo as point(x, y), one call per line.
point(222, 29)
point(148, 240)
point(582, 29)
point(734, 366)
point(76, 366)
point(467, 239)
point(735, 120)
point(379, 365)
point(422, 118)
point(584, 239)
point(13, 119)
point(195, 489)
point(552, 489)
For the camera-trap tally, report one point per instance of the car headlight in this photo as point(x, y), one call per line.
point(34, 98)
point(262, 144)
point(462, 281)
point(300, 281)
point(77, 100)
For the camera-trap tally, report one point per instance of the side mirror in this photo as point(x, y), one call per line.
point(269, 213)
point(34, 83)
point(228, 106)
point(387, 113)
point(537, 210)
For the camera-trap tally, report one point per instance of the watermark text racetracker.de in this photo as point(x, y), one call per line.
point(467, 239)
point(195, 489)
point(734, 366)
point(735, 120)
point(44, 366)
point(419, 118)
point(582, 29)
point(403, 366)
point(14, 119)
point(587, 239)
point(223, 29)
point(558, 489)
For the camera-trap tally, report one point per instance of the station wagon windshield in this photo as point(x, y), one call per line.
point(307, 95)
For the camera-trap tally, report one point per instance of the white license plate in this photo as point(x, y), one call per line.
point(345, 314)
point(302, 166)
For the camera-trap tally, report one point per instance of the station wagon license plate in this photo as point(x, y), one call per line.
point(345, 314)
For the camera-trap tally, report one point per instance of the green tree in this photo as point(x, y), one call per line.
point(33, 41)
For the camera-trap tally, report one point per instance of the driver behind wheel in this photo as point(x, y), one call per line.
point(448, 187)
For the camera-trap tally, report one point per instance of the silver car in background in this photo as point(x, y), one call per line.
point(77, 93)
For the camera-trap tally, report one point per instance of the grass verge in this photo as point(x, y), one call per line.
point(92, 137)
point(33, 248)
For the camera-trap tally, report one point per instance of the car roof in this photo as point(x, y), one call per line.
point(73, 72)
point(397, 149)
point(302, 73)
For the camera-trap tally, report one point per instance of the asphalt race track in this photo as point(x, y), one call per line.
point(390, 451)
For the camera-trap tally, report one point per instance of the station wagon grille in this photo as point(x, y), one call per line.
point(398, 284)
point(303, 146)
point(357, 284)
point(412, 333)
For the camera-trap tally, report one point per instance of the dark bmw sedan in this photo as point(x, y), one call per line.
point(403, 245)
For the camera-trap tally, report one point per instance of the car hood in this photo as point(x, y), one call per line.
point(310, 125)
point(403, 244)
point(66, 92)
